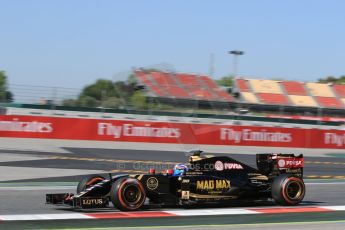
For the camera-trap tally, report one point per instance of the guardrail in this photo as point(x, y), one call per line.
point(235, 117)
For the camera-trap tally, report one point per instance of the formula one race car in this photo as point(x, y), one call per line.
point(214, 180)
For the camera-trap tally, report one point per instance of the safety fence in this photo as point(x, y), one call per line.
point(310, 118)
point(47, 110)
point(168, 132)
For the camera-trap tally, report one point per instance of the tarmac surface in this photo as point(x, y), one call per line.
point(24, 198)
point(27, 174)
point(76, 162)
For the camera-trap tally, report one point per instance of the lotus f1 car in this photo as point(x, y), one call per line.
point(214, 180)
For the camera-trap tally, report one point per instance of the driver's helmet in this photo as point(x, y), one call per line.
point(179, 169)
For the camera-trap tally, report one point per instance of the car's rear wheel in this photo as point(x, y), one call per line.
point(88, 181)
point(127, 194)
point(288, 190)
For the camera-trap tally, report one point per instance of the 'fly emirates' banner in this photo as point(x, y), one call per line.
point(167, 132)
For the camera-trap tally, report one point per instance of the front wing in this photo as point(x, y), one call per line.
point(67, 199)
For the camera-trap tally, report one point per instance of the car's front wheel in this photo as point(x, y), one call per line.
point(288, 190)
point(127, 194)
point(88, 181)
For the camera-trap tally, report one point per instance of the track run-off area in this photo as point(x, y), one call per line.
point(27, 173)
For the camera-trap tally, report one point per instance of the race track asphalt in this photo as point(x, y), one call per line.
point(24, 198)
point(138, 161)
point(20, 194)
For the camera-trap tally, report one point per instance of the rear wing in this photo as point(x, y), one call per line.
point(274, 164)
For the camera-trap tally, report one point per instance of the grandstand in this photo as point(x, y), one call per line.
point(182, 86)
point(291, 93)
point(255, 94)
point(253, 91)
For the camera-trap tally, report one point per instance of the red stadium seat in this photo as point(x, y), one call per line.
point(273, 99)
point(188, 80)
point(218, 93)
point(158, 91)
point(209, 82)
point(175, 91)
point(329, 102)
point(340, 90)
point(242, 85)
point(163, 78)
point(294, 88)
point(224, 95)
point(143, 77)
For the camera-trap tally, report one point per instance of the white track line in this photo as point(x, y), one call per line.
point(335, 208)
point(325, 183)
point(163, 213)
point(211, 212)
point(63, 216)
point(36, 188)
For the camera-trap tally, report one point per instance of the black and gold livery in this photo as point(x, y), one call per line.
point(278, 177)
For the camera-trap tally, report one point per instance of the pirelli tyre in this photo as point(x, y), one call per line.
point(288, 190)
point(127, 194)
point(88, 181)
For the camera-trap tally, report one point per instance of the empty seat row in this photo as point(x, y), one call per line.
point(339, 90)
point(302, 101)
point(265, 86)
point(163, 79)
point(319, 89)
point(330, 102)
point(188, 80)
point(294, 88)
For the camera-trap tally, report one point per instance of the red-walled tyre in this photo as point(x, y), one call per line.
point(288, 190)
point(88, 181)
point(127, 194)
